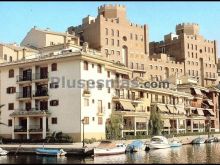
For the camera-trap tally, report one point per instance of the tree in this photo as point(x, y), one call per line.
point(155, 124)
point(113, 127)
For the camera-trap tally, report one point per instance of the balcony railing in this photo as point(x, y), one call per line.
point(40, 93)
point(21, 78)
point(20, 95)
point(19, 128)
point(40, 76)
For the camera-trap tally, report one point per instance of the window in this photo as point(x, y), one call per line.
point(99, 68)
point(112, 52)
point(109, 105)
point(93, 118)
point(118, 43)
point(131, 36)
point(132, 65)
point(205, 49)
point(112, 32)
point(188, 46)
point(106, 31)
point(124, 38)
point(11, 73)
point(108, 74)
point(109, 90)
point(117, 33)
point(93, 101)
point(54, 85)
point(5, 57)
point(51, 43)
point(86, 65)
point(142, 66)
point(9, 122)
point(10, 58)
point(86, 120)
point(197, 73)
point(192, 46)
point(151, 66)
point(213, 75)
point(196, 47)
point(112, 42)
point(54, 120)
point(137, 65)
point(92, 65)
point(142, 38)
point(106, 51)
point(86, 102)
point(196, 55)
point(106, 41)
point(10, 90)
point(54, 67)
point(99, 120)
point(10, 106)
point(192, 54)
point(181, 70)
point(136, 37)
point(172, 69)
point(54, 102)
point(118, 53)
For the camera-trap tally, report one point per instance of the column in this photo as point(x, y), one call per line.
point(191, 125)
point(44, 127)
point(177, 126)
point(185, 126)
point(134, 126)
point(28, 127)
point(13, 127)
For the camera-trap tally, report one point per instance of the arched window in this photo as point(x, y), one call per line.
point(117, 33)
point(10, 58)
point(54, 67)
point(11, 73)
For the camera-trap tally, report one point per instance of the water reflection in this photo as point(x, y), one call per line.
point(203, 153)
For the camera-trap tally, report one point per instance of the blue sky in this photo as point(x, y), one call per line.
point(17, 18)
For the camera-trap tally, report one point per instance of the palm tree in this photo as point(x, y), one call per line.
point(156, 123)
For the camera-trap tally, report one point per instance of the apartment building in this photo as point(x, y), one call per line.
point(36, 106)
point(188, 46)
point(14, 52)
point(115, 36)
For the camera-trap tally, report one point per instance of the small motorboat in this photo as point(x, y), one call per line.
point(198, 140)
point(159, 142)
point(175, 143)
point(3, 152)
point(50, 152)
point(211, 140)
point(136, 146)
point(109, 148)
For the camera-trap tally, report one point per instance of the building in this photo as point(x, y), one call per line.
point(188, 46)
point(115, 36)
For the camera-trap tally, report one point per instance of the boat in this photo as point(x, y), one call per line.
point(159, 142)
point(198, 140)
point(135, 146)
point(50, 152)
point(3, 152)
point(109, 148)
point(175, 143)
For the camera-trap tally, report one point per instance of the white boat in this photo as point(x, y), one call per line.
point(109, 148)
point(3, 152)
point(159, 142)
point(175, 143)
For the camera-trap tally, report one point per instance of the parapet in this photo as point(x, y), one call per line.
point(187, 28)
point(112, 11)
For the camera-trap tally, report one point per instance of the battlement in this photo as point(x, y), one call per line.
point(110, 6)
point(112, 11)
point(181, 25)
point(187, 28)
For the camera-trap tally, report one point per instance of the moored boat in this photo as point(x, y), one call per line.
point(175, 143)
point(135, 146)
point(198, 140)
point(159, 142)
point(109, 148)
point(3, 152)
point(50, 152)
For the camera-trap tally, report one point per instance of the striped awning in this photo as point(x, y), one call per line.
point(166, 123)
point(127, 105)
point(211, 112)
point(163, 108)
point(210, 102)
point(200, 112)
point(172, 109)
point(181, 110)
point(197, 91)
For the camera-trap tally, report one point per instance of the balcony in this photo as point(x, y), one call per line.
point(31, 112)
point(40, 77)
point(36, 128)
point(40, 94)
point(19, 128)
point(23, 95)
point(24, 79)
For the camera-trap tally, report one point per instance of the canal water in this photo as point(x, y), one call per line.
point(201, 153)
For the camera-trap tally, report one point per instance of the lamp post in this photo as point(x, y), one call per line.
point(83, 132)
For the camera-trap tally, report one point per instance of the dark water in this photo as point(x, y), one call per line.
point(202, 153)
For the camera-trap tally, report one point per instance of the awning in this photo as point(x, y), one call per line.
point(181, 110)
point(172, 109)
point(166, 123)
point(210, 102)
point(162, 108)
point(127, 105)
point(211, 112)
point(200, 112)
point(198, 91)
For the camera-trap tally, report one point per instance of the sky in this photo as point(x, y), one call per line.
point(17, 18)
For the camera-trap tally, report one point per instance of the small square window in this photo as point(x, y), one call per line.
point(10, 122)
point(54, 120)
point(11, 106)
